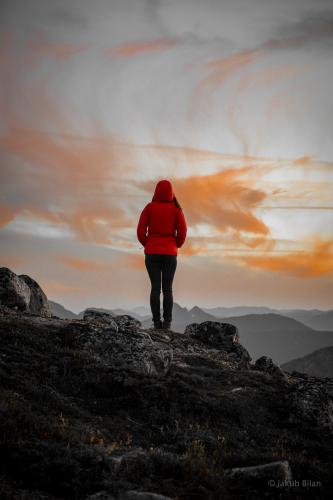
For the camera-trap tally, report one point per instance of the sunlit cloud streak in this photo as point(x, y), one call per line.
point(315, 262)
point(136, 48)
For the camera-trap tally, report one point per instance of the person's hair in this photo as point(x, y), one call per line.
point(176, 202)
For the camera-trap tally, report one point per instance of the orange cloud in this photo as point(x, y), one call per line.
point(134, 261)
point(189, 249)
point(84, 265)
point(136, 48)
point(219, 71)
point(10, 261)
point(304, 160)
point(39, 47)
point(224, 200)
point(53, 287)
point(268, 76)
point(303, 264)
point(73, 174)
point(7, 214)
point(63, 176)
point(76, 177)
point(34, 52)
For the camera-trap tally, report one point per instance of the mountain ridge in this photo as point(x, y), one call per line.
point(318, 363)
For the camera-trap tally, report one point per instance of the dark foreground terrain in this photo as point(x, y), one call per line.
point(101, 408)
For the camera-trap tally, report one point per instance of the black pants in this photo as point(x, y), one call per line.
point(161, 269)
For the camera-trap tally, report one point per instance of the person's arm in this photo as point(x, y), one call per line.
point(181, 228)
point(141, 230)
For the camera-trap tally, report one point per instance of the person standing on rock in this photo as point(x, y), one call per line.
point(164, 219)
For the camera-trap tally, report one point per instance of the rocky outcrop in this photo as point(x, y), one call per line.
point(14, 292)
point(123, 322)
point(38, 303)
point(100, 408)
point(214, 333)
point(274, 472)
point(266, 364)
point(222, 336)
point(22, 293)
point(119, 342)
point(99, 318)
point(311, 399)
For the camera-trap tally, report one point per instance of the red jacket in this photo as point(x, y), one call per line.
point(165, 223)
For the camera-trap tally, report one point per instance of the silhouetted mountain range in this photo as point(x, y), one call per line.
point(318, 320)
point(319, 363)
point(314, 318)
point(238, 310)
point(277, 336)
point(61, 311)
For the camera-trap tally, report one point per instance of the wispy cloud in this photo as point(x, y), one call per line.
point(226, 199)
point(84, 265)
point(312, 263)
point(136, 48)
point(216, 73)
point(40, 47)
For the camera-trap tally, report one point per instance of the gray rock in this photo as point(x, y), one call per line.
point(100, 318)
point(311, 401)
point(222, 336)
point(266, 364)
point(275, 471)
point(14, 292)
point(129, 351)
point(122, 322)
point(22, 293)
point(38, 303)
point(126, 322)
point(214, 333)
point(239, 354)
point(137, 353)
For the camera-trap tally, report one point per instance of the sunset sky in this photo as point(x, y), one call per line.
point(231, 100)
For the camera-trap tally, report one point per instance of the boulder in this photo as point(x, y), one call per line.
point(100, 318)
point(310, 401)
point(126, 322)
point(273, 471)
point(135, 352)
point(241, 355)
point(129, 351)
point(214, 333)
point(222, 336)
point(14, 292)
point(266, 364)
point(38, 301)
point(121, 322)
point(22, 293)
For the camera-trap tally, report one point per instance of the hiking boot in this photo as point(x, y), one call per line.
point(158, 325)
point(166, 325)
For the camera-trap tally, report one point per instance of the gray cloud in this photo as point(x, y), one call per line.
point(314, 29)
point(151, 11)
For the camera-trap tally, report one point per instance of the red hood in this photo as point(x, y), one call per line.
point(163, 191)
